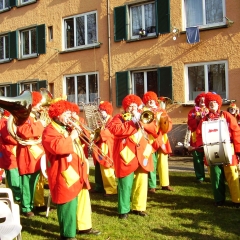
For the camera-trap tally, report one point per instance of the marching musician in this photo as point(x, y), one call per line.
point(234, 110)
point(28, 157)
point(105, 180)
point(132, 158)
point(218, 173)
point(8, 160)
point(67, 169)
point(160, 142)
point(194, 117)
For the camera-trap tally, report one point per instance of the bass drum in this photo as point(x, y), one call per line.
point(218, 149)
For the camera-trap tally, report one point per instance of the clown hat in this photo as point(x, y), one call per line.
point(199, 96)
point(36, 98)
point(59, 108)
point(213, 97)
point(149, 96)
point(129, 99)
point(106, 106)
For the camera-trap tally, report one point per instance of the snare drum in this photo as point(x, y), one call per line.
point(216, 142)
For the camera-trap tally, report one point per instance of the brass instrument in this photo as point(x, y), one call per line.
point(147, 117)
point(83, 136)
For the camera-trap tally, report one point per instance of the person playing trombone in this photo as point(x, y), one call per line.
point(132, 158)
point(160, 142)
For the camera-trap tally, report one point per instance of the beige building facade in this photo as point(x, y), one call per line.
point(88, 49)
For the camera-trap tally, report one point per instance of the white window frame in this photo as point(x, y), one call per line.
point(5, 90)
point(22, 55)
point(85, 26)
point(205, 78)
point(4, 49)
point(143, 18)
point(4, 6)
point(25, 83)
point(75, 85)
point(21, 2)
point(184, 18)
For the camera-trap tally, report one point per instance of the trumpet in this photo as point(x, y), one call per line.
point(90, 143)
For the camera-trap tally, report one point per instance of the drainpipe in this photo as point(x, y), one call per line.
point(109, 53)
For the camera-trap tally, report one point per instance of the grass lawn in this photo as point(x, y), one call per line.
point(186, 213)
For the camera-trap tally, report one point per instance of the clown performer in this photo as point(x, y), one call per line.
point(160, 143)
point(194, 117)
point(28, 157)
point(218, 173)
point(132, 155)
point(8, 161)
point(67, 169)
point(105, 180)
point(234, 110)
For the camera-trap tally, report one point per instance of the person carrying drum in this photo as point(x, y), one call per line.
point(194, 117)
point(218, 173)
point(160, 156)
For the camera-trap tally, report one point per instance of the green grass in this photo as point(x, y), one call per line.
point(186, 213)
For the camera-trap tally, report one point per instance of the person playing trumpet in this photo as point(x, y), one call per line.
point(105, 180)
point(132, 158)
point(68, 170)
point(160, 142)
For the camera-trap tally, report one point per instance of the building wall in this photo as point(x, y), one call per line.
point(215, 44)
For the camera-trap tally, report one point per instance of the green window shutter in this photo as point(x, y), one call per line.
point(122, 86)
point(120, 23)
point(13, 44)
point(165, 82)
point(12, 3)
point(14, 90)
point(41, 39)
point(42, 84)
point(163, 16)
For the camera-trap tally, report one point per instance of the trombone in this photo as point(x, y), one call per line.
point(83, 137)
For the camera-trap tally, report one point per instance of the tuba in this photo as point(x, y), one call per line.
point(147, 117)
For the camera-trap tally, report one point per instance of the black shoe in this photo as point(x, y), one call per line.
point(198, 181)
point(139, 213)
point(89, 232)
point(29, 214)
point(167, 188)
point(236, 205)
point(219, 204)
point(41, 209)
point(123, 216)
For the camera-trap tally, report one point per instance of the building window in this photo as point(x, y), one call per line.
point(4, 4)
point(26, 1)
point(205, 13)
point(5, 91)
point(50, 33)
point(28, 43)
point(144, 81)
point(4, 48)
point(206, 77)
point(33, 86)
point(143, 19)
point(80, 30)
point(82, 88)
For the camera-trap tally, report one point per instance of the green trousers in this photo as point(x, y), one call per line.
point(28, 185)
point(152, 176)
point(14, 182)
point(67, 218)
point(198, 165)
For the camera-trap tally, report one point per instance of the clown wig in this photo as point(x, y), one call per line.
point(36, 98)
point(199, 96)
point(106, 106)
point(213, 97)
point(75, 108)
point(58, 108)
point(150, 96)
point(129, 99)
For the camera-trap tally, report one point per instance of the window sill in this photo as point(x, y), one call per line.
point(26, 58)
point(5, 61)
point(25, 4)
point(80, 49)
point(5, 10)
point(140, 39)
point(208, 28)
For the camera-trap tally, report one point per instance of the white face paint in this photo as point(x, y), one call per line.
point(213, 106)
point(151, 104)
point(133, 107)
point(202, 102)
point(232, 110)
point(63, 118)
point(104, 114)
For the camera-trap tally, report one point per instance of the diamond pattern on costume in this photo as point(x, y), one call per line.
point(127, 155)
point(136, 137)
point(148, 150)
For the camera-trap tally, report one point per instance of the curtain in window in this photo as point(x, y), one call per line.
point(91, 29)
point(138, 82)
point(194, 12)
point(150, 19)
point(214, 11)
point(93, 87)
point(80, 31)
point(136, 19)
point(81, 88)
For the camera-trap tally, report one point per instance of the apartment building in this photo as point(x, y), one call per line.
point(106, 49)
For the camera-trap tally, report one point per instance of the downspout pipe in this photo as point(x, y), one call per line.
point(109, 52)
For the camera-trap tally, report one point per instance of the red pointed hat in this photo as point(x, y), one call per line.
point(232, 105)
point(106, 106)
point(59, 108)
point(129, 99)
point(197, 99)
point(36, 98)
point(213, 97)
point(149, 96)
